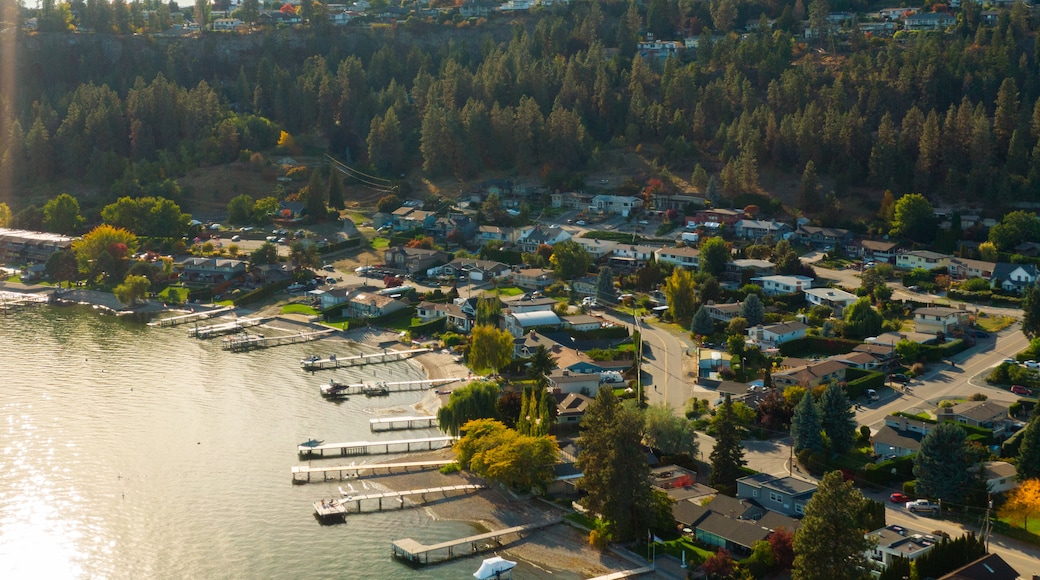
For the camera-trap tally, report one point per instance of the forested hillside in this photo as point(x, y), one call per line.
point(954, 114)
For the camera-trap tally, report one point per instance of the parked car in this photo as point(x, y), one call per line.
point(236, 238)
point(581, 222)
point(1032, 364)
point(1020, 390)
point(898, 498)
point(980, 334)
point(1010, 361)
point(922, 505)
point(328, 267)
point(899, 378)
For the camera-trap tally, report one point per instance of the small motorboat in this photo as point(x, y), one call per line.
point(334, 389)
point(312, 443)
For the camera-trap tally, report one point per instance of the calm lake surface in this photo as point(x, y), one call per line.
point(135, 452)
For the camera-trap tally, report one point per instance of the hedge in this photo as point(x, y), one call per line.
point(881, 473)
point(858, 385)
point(344, 245)
point(434, 326)
point(817, 345)
point(600, 333)
point(261, 292)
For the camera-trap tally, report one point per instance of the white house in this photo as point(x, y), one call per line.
point(582, 322)
point(533, 236)
point(939, 319)
point(686, 257)
point(776, 334)
point(529, 303)
point(757, 229)
point(596, 248)
point(518, 323)
point(1015, 277)
point(227, 24)
point(616, 204)
point(999, 476)
point(777, 285)
point(893, 542)
point(504, 234)
point(834, 298)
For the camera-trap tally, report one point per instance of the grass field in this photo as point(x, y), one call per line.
point(509, 291)
point(380, 243)
point(994, 323)
point(174, 295)
point(1033, 525)
point(298, 309)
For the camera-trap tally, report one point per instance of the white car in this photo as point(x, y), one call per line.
point(1032, 364)
point(580, 222)
point(644, 223)
point(236, 238)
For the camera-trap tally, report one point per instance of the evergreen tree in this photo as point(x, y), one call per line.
point(753, 310)
point(605, 285)
point(806, 425)
point(839, 422)
point(335, 190)
point(942, 466)
point(314, 197)
point(1029, 449)
point(809, 190)
point(830, 543)
point(702, 322)
point(727, 458)
point(1031, 311)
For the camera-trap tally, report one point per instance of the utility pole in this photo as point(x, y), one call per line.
point(986, 525)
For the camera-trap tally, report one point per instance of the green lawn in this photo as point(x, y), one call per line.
point(174, 294)
point(298, 309)
point(994, 323)
point(509, 291)
point(1033, 525)
point(694, 554)
point(380, 243)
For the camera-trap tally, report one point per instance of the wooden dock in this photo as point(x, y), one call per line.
point(333, 390)
point(354, 471)
point(248, 342)
point(402, 423)
point(419, 554)
point(12, 301)
point(204, 332)
point(190, 317)
point(335, 362)
point(373, 447)
point(337, 509)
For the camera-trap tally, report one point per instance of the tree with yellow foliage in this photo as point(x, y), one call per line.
point(1022, 502)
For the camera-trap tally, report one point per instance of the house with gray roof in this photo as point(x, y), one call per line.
point(758, 229)
point(733, 524)
point(986, 414)
point(900, 436)
point(783, 494)
point(893, 542)
point(519, 323)
point(1014, 277)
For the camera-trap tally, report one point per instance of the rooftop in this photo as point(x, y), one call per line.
point(782, 483)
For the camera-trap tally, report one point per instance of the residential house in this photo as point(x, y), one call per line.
point(23, 246)
point(268, 273)
point(877, 28)
point(1015, 277)
point(477, 270)
point(834, 298)
point(227, 24)
point(534, 278)
point(473, 9)
point(628, 257)
point(823, 238)
point(428, 311)
point(586, 286)
point(777, 334)
point(900, 436)
point(933, 319)
point(777, 285)
point(729, 523)
point(922, 259)
point(684, 257)
point(582, 323)
point(412, 260)
point(526, 345)
point(615, 204)
point(211, 270)
point(893, 542)
point(370, 305)
point(503, 234)
point(596, 248)
point(880, 251)
point(715, 216)
point(858, 360)
point(571, 200)
point(564, 381)
point(895, 13)
point(1030, 249)
point(999, 476)
point(532, 237)
point(380, 219)
point(779, 493)
point(678, 201)
point(988, 567)
point(571, 408)
point(529, 303)
point(963, 268)
point(758, 229)
point(986, 414)
point(723, 312)
point(738, 268)
point(456, 224)
point(456, 316)
point(928, 21)
point(812, 375)
point(518, 323)
point(885, 354)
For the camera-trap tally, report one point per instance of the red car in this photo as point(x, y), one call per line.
point(1020, 390)
point(898, 498)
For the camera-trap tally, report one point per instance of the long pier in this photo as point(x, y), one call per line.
point(402, 423)
point(337, 509)
point(412, 551)
point(190, 317)
point(203, 332)
point(335, 362)
point(254, 341)
point(372, 447)
point(332, 389)
point(354, 471)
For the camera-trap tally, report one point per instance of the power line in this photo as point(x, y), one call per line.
point(364, 177)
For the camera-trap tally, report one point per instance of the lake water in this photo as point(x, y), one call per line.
point(134, 452)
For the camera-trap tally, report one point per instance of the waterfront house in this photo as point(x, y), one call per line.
point(893, 542)
point(943, 319)
point(23, 246)
point(211, 270)
point(370, 305)
point(779, 493)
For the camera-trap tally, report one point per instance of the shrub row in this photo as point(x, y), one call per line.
point(261, 292)
point(600, 333)
point(428, 328)
point(817, 345)
point(344, 245)
point(859, 383)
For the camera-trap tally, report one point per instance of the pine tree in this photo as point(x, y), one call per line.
point(605, 285)
point(830, 543)
point(809, 190)
point(1031, 311)
point(335, 190)
point(727, 458)
point(702, 322)
point(942, 465)
point(1029, 449)
point(806, 425)
point(839, 422)
point(523, 422)
point(753, 310)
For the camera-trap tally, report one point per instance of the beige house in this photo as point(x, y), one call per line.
point(943, 319)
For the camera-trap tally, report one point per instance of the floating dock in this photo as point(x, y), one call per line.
point(402, 423)
point(373, 447)
point(333, 390)
point(11, 301)
point(203, 332)
point(354, 471)
point(190, 317)
point(254, 341)
point(335, 362)
point(419, 554)
point(337, 509)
